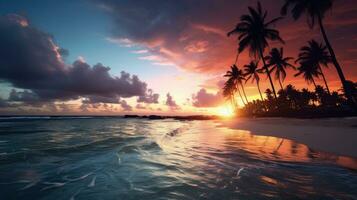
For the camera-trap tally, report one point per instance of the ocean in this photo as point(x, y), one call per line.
point(118, 158)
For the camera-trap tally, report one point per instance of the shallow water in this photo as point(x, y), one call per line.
point(115, 158)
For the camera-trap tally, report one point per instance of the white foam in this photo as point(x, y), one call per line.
point(239, 171)
point(92, 183)
point(29, 185)
point(79, 178)
point(53, 185)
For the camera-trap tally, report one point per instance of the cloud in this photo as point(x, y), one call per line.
point(30, 60)
point(101, 99)
point(23, 96)
point(140, 106)
point(176, 30)
point(125, 42)
point(213, 83)
point(4, 103)
point(149, 97)
point(126, 106)
point(64, 107)
point(197, 47)
point(141, 51)
point(171, 103)
point(204, 99)
point(192, 34)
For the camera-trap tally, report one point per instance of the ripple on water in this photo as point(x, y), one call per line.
point(110, 158)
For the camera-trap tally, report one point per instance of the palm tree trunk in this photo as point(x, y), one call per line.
point(281, 84)
point(235, 62)
point(313, 81)
point(241, 98)
point(233, 101)
point(244, 93)
point(335, 62)
point(267, 71)
point(261, 96)
point(323, 77)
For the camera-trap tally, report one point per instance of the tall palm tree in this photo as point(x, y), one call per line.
point(315, 54)
point(236, 77)
point(252, 72)
point(308, 72)
point(254, 32)
point(279, 64)
point(315, 10)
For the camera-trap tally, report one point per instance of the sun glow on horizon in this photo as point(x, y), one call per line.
point(225, 111)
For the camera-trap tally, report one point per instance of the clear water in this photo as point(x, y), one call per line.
point(114, 158)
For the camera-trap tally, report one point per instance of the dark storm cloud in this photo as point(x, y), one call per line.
point(4, 103)
point(192, 34)
point(204, 99)
point(30, 60)
point(23, 96)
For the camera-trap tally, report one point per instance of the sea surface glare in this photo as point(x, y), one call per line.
point(115, 158)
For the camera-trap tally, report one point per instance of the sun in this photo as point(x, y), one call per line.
point(225, 111)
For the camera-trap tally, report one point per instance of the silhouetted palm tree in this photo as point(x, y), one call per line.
point(315, 10)
point(229, 90)
point(315, 54)
point(254, 33)
point(278, 63)
point(236, 77)
point(240, 79)
point(308, 72)
point(252, 72)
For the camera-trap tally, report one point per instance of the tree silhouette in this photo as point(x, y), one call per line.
point(229, 90)
point(237, 78)
point(315, 11)
point(254, 33)
point(251, 71)
point(279, 64)
point(315, 54)
point(240, 80)
point(308, 72)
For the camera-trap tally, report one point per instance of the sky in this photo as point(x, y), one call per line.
point(114, 57)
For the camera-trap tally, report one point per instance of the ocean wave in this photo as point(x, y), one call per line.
point(107, 143)
point(30, 118)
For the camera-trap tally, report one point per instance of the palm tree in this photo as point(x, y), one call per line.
point(315, 10)
point(254, 33)
point(315, 54)
point(236, 77)
point(278, 63)
point(308, 72)
point(240, 78)
point(252, 72)
point(229, 90)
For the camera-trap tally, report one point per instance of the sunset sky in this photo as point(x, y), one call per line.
point(142, 57)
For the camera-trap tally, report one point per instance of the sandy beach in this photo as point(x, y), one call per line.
point(332, 135)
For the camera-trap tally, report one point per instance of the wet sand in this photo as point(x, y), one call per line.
point(332, 135)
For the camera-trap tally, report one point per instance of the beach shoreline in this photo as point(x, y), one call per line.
point(331, 135)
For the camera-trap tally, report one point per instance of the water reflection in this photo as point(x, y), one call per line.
point(273, 148)
point(164, 159)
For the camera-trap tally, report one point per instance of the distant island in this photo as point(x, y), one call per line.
point(150, 117)
point(188, 117)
